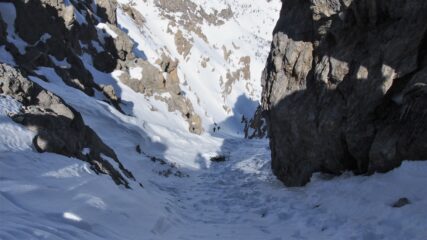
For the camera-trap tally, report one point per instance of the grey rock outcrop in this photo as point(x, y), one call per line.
point(60, 129)
point(345, 87)
point(107, 10)
point(256, 124)
point(163, 84)
point(60, 33)
point(134, 14)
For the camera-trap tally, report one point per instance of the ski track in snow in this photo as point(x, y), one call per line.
point(240, 199)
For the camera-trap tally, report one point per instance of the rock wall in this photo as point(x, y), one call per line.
point(57, 34)
point(345, 87)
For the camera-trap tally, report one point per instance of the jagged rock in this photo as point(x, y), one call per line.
point(152, 80)
point(192, 14)
point(69, 17)
point(107, 10)
point(183, 45)
point(167, 64)
point(65, 32)
point(256, 124)
point(71, 32)
point(233, 77)
point(227, 53)
point(154, 83)
point(345, 87)
point(54, 32)
point(110, 94)
point(123, 44)
point(134, 14)
point(60, 129)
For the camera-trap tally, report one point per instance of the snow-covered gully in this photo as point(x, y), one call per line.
point(46, 196)
point(171, 87)
point(240, 199)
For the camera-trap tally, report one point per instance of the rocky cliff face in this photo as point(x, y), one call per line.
point(59, 128)
point(78, 38)
point(58, 35)
point(345, 87)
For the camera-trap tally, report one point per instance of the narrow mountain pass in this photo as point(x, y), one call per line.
point(213, 120)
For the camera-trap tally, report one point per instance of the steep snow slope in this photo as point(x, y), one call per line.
point(52, 197)
point(221, 68)
point(184, 194)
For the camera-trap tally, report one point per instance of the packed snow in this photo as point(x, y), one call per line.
point(185, 195)
point(136, 72)
point(13, 137)
point(46, 196)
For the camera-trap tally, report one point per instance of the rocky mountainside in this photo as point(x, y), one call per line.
point(345, 87)
point(54, 47)
point(220, 48)
point(167, 53)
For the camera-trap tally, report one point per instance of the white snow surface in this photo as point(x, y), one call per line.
point(107, 29)
point(136, 72)
point(13, 137)
point(48, 196)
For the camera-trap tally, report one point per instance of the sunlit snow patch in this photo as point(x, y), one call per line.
point(13, 137)
point(107, 29)
point(71, 216)
point(136, 72)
